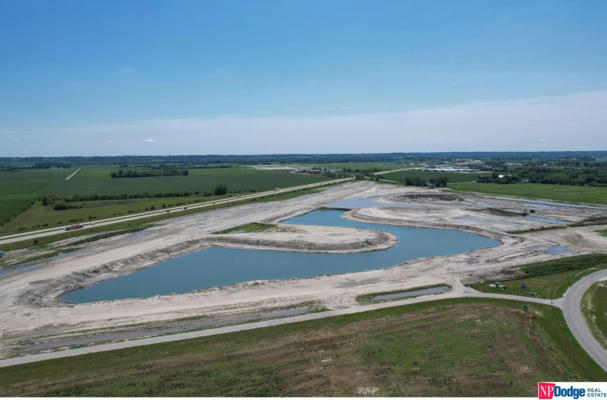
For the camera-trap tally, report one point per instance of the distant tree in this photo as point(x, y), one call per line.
point(220, 189)
point(45, 201)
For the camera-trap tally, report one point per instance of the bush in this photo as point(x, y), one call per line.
point(221, 189)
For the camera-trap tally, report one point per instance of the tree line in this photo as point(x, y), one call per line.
point(144, 174)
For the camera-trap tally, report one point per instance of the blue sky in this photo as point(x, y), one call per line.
point(196, 77)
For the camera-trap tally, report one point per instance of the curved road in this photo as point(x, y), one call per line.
point(572, 309)
point(569, 303)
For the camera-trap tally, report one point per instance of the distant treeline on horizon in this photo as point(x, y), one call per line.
point(202, 160)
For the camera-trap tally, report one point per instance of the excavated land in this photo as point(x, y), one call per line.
point(32, 312)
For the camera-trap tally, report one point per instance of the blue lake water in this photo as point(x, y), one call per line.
point(220, 266)
point(549, 220)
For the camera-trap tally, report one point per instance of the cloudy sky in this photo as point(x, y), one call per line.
point(193, 77)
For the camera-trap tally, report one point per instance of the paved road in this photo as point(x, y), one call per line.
point(109, 221)
point(572, 310)
point(254, 325)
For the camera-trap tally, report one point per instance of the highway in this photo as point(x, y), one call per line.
point(131, 217)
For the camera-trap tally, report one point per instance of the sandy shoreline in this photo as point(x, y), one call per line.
point(29, 307)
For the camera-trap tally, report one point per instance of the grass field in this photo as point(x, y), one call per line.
point(19, 189)
point(594, 308)
point(548, 279)
point(96, 180)
point(427, 175)
point(21, 210)
point(574, 194)
point(463, 347)
point(602, 232)
point(136, 224)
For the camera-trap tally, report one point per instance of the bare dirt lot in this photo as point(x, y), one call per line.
point(31, 311)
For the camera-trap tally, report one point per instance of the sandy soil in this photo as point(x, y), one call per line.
point(29, 304)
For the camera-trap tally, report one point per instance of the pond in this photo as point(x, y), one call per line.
point(219, 266)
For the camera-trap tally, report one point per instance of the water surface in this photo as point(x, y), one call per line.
point(219, 266)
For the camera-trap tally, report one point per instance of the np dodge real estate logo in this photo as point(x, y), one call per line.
point(571, 390)
point(545, 390)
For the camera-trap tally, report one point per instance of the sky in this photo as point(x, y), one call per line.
point(247, 77)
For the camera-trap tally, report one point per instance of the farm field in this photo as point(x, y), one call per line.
point(594, 304)
point(427, 175)
point(463, 347)
point(567, 193)
point(97, 180)
point(548, 279)
point(22, 210)
point(43, 243)
point(19, 189)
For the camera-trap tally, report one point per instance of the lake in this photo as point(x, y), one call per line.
point(219, 266)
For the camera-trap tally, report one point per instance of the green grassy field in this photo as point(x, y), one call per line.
point(594, 308)
point(96, 180)
point(575, 194)
point(602, 232)
point(427, 175)
point(21, 210)
point(137, 224)
point(548, 279)
point(19, 189)
point(463, 347)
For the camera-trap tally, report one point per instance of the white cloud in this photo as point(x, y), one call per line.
point(570, 122)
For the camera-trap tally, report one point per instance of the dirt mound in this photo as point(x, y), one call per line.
point(427, 196)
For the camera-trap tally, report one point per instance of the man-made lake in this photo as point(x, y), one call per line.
point(219, 266)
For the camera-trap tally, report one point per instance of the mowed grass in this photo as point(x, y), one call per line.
point(574, 194)
point(427, 175)
point(24, 211)
point(462, 347)
point(594, 308)
point(547, 279)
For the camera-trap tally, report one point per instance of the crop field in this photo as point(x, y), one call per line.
point(21, 191)
point(575, 194)
point(548, 279)
point(464, 347)
point(97, 180)
point(427, 175)
point(594, 307)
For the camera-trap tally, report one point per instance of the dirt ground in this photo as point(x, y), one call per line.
point(30, 306)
